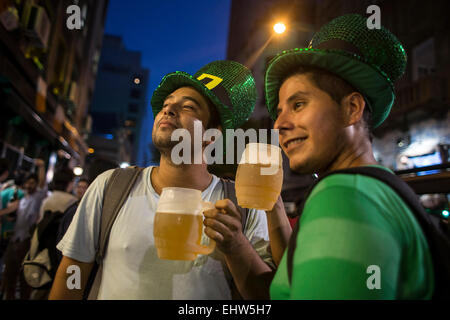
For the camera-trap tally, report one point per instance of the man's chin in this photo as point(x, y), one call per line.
point(164, 145)
point(301, 167)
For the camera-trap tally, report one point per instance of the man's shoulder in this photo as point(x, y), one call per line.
point(40, 194)
point(357, 190)
point(98, 186)
point(355, 182)
point(6, 193)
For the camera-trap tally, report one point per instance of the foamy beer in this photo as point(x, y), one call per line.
point(178, 225)
point(259, 176)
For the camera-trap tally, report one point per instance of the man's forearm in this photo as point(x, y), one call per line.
point(60, 289)
point(5, 211)
point(280, 232)
point(11, 208)
point(41, 175)
point(251, 274)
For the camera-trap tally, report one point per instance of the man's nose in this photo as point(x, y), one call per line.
point(170, 110)
point(283, 122)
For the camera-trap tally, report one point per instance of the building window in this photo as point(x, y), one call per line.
point(135, 93)
point(131, 138)
point(423, 59)
point(133, 108)
point(130, 123)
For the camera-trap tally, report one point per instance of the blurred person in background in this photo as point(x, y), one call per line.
point(61, 196)
point(8, 209)
point(28, 209)
point(51, 213)
point(8, 215)
point(81, 188)
point(4, 171)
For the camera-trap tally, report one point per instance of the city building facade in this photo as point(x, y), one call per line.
point(47, 78)
point(120, 105)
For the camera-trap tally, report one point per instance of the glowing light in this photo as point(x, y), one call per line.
point(124, 165)
point(78, 171)
point(137, 80)
point(422, 147)
point(91, 150)
point(279, 28)
point(445, 214)
point(404, 160)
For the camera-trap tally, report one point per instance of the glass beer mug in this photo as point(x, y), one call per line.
point(178, 224)
point(259, 176)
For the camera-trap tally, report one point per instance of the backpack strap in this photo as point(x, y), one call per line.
point(230, 193)
point(117, 191)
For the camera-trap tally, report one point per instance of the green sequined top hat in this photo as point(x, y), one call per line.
point(369, 59)
point(229, 85)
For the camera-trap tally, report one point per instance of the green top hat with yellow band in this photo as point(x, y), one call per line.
point(369, 59)
point(229, 85)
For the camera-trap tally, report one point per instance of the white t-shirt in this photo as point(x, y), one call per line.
point(28, 214)
point(57, 201)
point(132, 269)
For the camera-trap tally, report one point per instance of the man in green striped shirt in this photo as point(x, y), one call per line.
point(357, 239)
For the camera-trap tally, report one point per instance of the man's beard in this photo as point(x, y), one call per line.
point(163, 142)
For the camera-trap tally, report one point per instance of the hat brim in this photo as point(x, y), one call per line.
point(175, 80)
point(367, 79)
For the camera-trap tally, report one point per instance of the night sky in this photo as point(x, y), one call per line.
point(173, 35)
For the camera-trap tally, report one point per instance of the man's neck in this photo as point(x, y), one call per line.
point(355, 155)
point(193, 176)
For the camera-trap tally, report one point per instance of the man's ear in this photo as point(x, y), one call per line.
point(353, 107)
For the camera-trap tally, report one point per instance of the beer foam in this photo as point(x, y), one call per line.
point(180, 201)
point(179, 212)
point(261, 153)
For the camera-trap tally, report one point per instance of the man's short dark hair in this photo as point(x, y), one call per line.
point(31, 176)
point(61, 179)
point(20, 177)
point(83, 180)
point(4, 165)
point(336, 87)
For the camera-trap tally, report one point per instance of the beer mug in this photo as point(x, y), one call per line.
point(178, 224)
point(259, 176)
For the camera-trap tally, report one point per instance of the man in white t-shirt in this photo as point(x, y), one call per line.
point(27, 217)
point(61, 197)
point(221, 95)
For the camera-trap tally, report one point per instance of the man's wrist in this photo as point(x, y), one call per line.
point(239, 247)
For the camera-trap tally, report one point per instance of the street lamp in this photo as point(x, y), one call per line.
point(279, 27)
point(124, 165)
point(78, 171)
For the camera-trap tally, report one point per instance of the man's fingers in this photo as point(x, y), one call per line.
point(210, 213)
point(219, 226)
point(216, 236)
point(229, 207)
point(231, 222)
